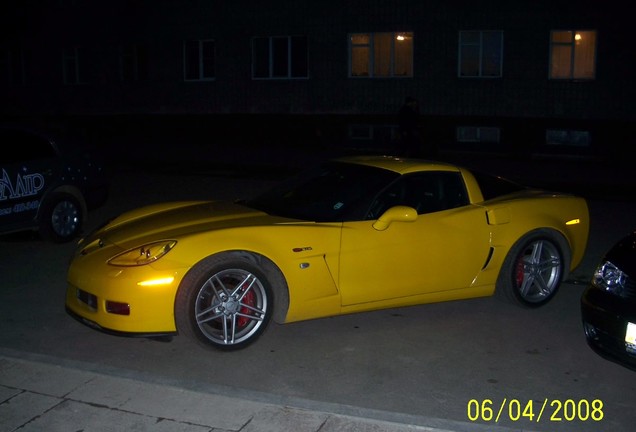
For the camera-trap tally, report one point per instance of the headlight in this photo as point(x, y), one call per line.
point(143, 255)
point(610, 278)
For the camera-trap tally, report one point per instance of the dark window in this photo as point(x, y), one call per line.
point(280, 57)
point(13, 67)
point(480, 54)
point(198, 60)
point(74, 65)
point(133, 62)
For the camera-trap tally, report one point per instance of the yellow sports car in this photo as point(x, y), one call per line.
point(349, 235)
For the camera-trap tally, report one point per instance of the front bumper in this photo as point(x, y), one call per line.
point(113, 299)
point(605, 319)
point(97, 327)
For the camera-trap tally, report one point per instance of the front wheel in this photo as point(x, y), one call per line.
point(533, 270)
point(224, 302)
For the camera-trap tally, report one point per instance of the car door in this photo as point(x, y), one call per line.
point(443, 249)
point(25, 172)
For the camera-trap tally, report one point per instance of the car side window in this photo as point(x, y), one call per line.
point(436, 191)
point(426, 192)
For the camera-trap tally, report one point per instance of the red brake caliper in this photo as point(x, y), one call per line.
point(249, 300)
point(519, 271)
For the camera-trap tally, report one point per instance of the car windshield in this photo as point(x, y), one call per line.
point(329, 192)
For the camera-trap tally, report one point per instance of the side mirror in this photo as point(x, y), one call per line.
point(395, 214)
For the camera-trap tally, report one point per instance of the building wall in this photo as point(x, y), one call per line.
point(523, 95)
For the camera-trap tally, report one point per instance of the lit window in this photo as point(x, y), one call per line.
point(380, 55)
point(198, 60)
point(480, 53)
point(573, 54)
point(281, 57)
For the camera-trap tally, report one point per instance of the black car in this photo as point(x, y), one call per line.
point(47, 183)
point(608, 305)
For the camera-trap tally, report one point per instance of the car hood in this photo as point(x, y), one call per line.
point(176, 219)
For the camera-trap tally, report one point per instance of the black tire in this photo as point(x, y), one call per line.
point(533, 269)
point(225, 301)
point(61, 218)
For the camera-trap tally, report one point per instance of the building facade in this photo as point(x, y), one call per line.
point(520, 77)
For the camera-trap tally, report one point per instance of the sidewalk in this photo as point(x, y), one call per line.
point(39, 393)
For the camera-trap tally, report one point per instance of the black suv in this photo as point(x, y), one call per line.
point(47, 184)
point(608, 304)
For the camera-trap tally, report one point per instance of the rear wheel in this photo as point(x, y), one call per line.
point(534, 268)
point(224, 302)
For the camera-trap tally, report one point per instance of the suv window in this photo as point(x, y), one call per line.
point(25, 146)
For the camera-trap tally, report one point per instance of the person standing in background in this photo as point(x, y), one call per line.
point(408, 121)
point(411, 142)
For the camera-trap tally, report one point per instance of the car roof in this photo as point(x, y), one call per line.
point(399, 165)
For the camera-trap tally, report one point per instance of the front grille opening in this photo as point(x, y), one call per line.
point(88, 299)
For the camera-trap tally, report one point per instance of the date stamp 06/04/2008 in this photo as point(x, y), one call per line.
point(546, 410)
